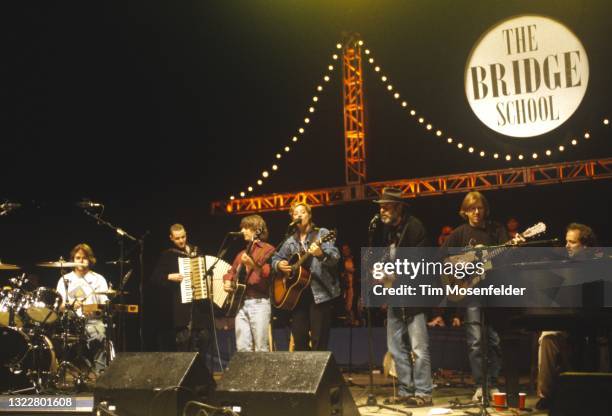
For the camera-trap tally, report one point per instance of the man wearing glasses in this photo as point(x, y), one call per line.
point(479, 230)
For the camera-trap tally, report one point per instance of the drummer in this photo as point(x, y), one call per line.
point(83, 287)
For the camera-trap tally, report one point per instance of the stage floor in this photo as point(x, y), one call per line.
point(384, 388)
point(449, 389)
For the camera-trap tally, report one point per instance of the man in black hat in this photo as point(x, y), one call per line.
point(404, 230)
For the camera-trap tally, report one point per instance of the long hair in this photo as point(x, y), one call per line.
point(86, 249)
point(257, 224)
point(471, 199)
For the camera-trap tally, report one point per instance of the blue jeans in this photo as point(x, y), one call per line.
point(473, 335)
point(405, 334)
point(252, 324)
point(96, 336)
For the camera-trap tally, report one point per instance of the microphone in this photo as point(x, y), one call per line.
point(8, 207)
point(125, 279)
point(374, 222)
point(295, 222)
point(235, 233)
point(118, 262)
point(89, 204)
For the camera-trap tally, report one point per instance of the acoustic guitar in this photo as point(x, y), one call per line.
point(287, 289)
point(234, 300)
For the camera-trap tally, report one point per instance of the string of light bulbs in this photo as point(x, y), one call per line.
point(457, 143)
point(300, 131)
point(421, 119)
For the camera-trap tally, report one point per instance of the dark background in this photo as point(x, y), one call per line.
point(156, 109)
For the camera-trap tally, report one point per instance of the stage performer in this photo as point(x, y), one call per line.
point(401, 229)
point(479, 230)
point(166, 274)
point(251, 267)
point(82, 286)
point(553, 349)
point(311, 317)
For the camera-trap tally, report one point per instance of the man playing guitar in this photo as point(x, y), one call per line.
point(311, 317)
point(479, 230)
point(248, 281)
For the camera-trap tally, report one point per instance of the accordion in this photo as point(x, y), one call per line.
point(196, 285)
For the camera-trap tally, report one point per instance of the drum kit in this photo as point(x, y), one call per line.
point(45, 339)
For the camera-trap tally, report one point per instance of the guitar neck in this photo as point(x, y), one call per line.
point(242, 271)
point(306, 256)
point(496, 252)
point(331, 235)
point(302, 260)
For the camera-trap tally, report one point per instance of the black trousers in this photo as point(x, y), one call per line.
point(311, 323)
point(200, 340)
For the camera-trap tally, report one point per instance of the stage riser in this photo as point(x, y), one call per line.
point(448, 347)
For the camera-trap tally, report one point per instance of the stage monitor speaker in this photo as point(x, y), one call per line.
point(285, 383)
point(153, 383)
point(582, 394)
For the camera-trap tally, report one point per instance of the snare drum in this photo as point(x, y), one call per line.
point(11, 302)
point(43, 305)
point(70, 328)
point(21, 351)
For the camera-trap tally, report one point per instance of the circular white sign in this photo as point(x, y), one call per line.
point(526, 76)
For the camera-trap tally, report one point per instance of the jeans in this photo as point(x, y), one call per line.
point(96, 337)
point(406, 333)
point(473, 335)
point(252, 324)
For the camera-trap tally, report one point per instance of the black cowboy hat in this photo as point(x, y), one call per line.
point(391, 194)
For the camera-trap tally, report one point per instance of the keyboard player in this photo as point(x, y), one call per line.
point(553, 349)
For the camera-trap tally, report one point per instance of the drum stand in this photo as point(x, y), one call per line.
point(60, 377)
point(41, 380)
point(107, 318)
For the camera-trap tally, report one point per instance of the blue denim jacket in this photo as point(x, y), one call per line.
point(325, 267)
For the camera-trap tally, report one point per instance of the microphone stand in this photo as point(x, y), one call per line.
point(140, 242)
point(209, 283)
point(371, 401)
point(290, 231)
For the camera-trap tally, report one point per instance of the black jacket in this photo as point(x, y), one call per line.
point(168, 263)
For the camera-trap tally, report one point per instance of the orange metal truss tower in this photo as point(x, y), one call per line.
point(354, 122)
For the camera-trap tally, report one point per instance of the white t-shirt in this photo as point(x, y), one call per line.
point(83, 288)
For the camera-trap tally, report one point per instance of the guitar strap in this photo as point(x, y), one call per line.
point(181, 253)
point(403, 234)
point(491, 231)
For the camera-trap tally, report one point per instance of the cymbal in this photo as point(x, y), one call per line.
point(60, 264)
point(4, 266)
point(111, 292)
